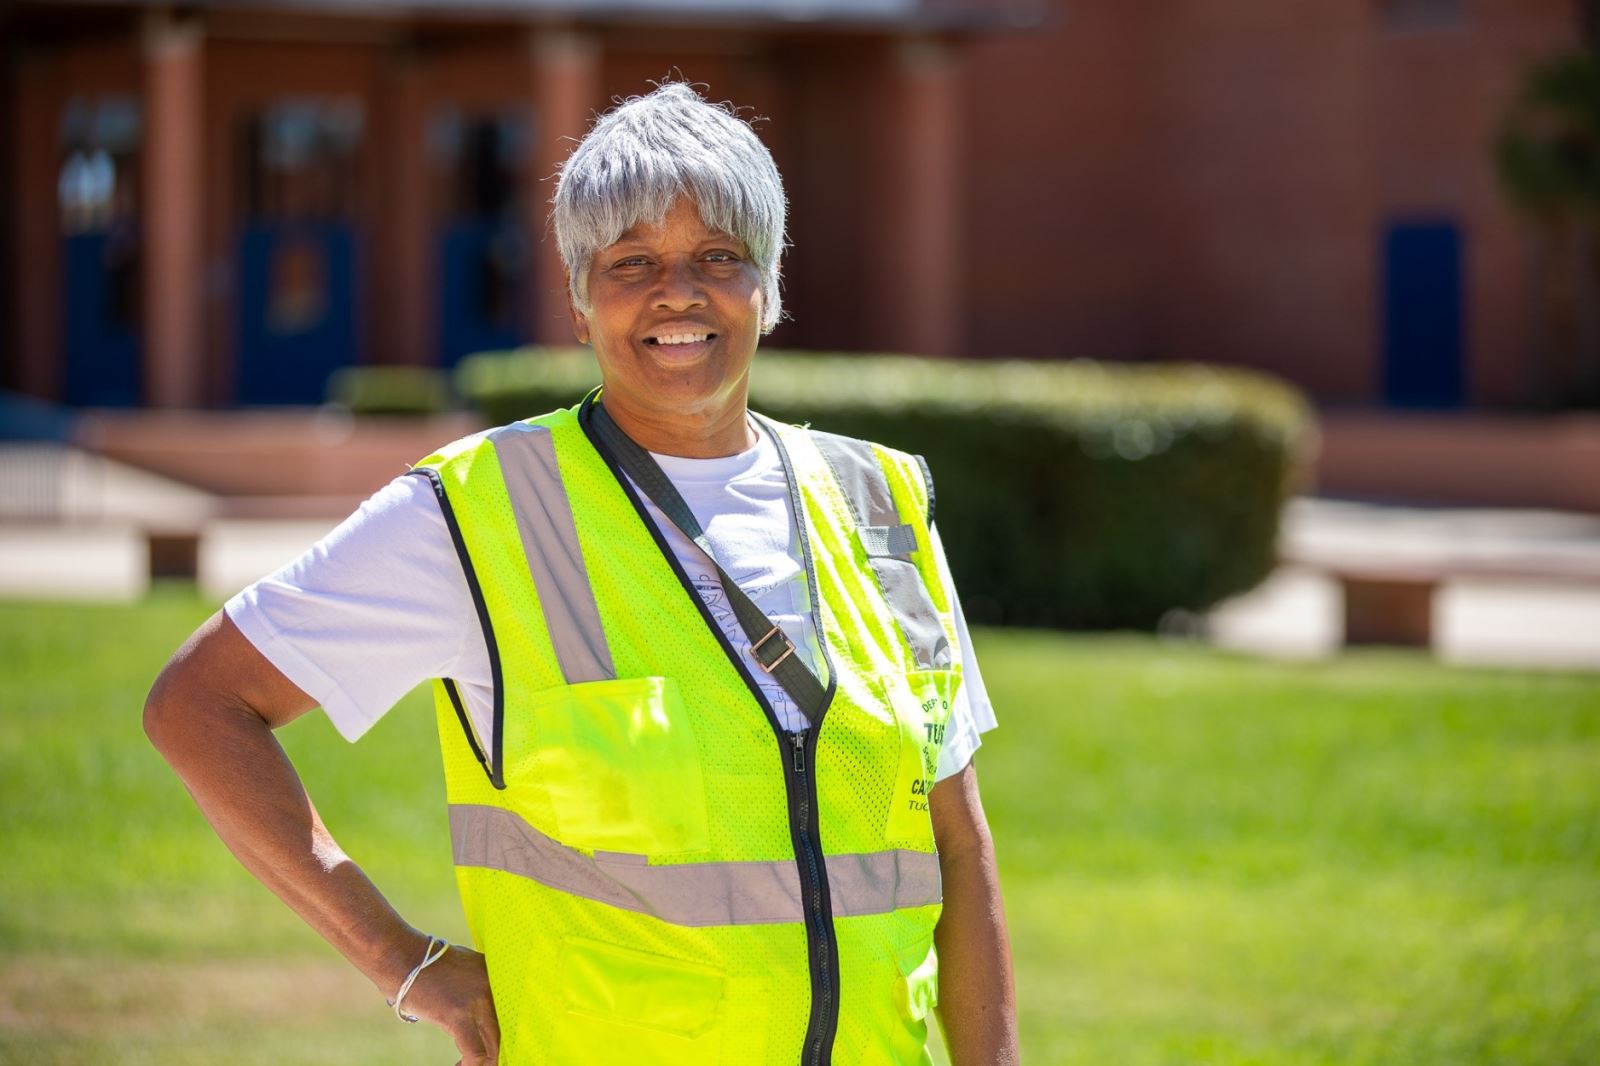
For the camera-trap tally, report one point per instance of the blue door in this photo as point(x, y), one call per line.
point(481, 284)
point(100, 328)
point(296, 310)
point(1423, 363)
point(297, 254)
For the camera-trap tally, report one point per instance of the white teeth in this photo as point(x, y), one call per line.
point(682, 338)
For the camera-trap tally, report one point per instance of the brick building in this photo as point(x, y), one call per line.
point(220, 203)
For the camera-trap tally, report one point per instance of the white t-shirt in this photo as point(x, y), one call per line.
point(381, 604)
point(742, 505)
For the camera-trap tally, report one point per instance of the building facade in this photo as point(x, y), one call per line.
point(222, 203)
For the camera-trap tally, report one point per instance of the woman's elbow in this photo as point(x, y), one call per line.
point(218, 681)
point(165, 716)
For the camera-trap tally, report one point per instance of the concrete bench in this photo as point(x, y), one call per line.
point(1389, 597)
point(121, 516)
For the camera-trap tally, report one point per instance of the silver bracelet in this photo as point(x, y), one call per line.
point(429, 957)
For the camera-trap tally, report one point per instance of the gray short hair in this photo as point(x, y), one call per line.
point(648, 151)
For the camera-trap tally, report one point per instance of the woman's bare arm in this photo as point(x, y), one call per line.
point(977, 994)
point(211, 714)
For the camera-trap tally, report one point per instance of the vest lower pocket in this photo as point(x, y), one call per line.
point(918, 992)
point(631, 1008)
point(609, 765)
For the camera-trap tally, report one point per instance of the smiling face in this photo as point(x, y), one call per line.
point(674, 317)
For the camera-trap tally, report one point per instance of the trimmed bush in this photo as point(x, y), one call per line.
point(390, 390)
point(1069, 494)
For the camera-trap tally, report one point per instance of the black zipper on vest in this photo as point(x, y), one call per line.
point(800, 785)
point(824, 1023)
point(820, 941)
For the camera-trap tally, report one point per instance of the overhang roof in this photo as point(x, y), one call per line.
point(927, 15)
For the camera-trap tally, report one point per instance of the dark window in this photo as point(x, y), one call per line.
point(300, 160)
point(1411, 15)
point(297, 286)
point(477, 162)
point(477, 159)
point(97, 191)
point(98, 184)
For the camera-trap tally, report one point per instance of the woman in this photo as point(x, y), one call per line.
point(701, 701)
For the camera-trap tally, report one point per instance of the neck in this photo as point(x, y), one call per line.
point(699, 434)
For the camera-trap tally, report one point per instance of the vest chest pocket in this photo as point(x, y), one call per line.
point(921, 704)
point(609, 765)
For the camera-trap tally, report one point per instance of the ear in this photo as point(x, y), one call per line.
point(761, 291)
point(580, 323)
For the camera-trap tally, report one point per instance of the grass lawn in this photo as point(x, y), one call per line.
point(1207, 859)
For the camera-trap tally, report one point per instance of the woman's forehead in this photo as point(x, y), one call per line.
point(682, 222)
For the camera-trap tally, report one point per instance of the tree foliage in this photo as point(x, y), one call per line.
point(1549, 149)
point(1548, 158)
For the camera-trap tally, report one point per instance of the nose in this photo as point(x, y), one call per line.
point(679, 286)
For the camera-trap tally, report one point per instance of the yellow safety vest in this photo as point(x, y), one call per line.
point(657, 873)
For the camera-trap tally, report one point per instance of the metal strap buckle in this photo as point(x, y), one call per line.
point(755, 649)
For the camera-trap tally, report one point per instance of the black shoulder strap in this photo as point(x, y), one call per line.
point(770, 646)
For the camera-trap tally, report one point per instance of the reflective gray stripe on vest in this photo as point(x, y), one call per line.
point(691, 894)
point(855, 465)
point(527, 457)
point(887, 540)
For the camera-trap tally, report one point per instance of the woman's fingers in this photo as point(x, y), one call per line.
point(489, 1030)
point(480, 1044)
point(454, 994)
point(472, 1048)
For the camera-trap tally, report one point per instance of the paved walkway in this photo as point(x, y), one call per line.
point(80, 534)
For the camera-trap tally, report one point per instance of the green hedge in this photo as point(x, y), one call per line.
point(1070, 494)
point(390, 390)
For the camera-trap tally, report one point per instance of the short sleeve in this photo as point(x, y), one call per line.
point(972, 714)
point(367, 613)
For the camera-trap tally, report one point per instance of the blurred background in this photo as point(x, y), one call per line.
point(1255, 347)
